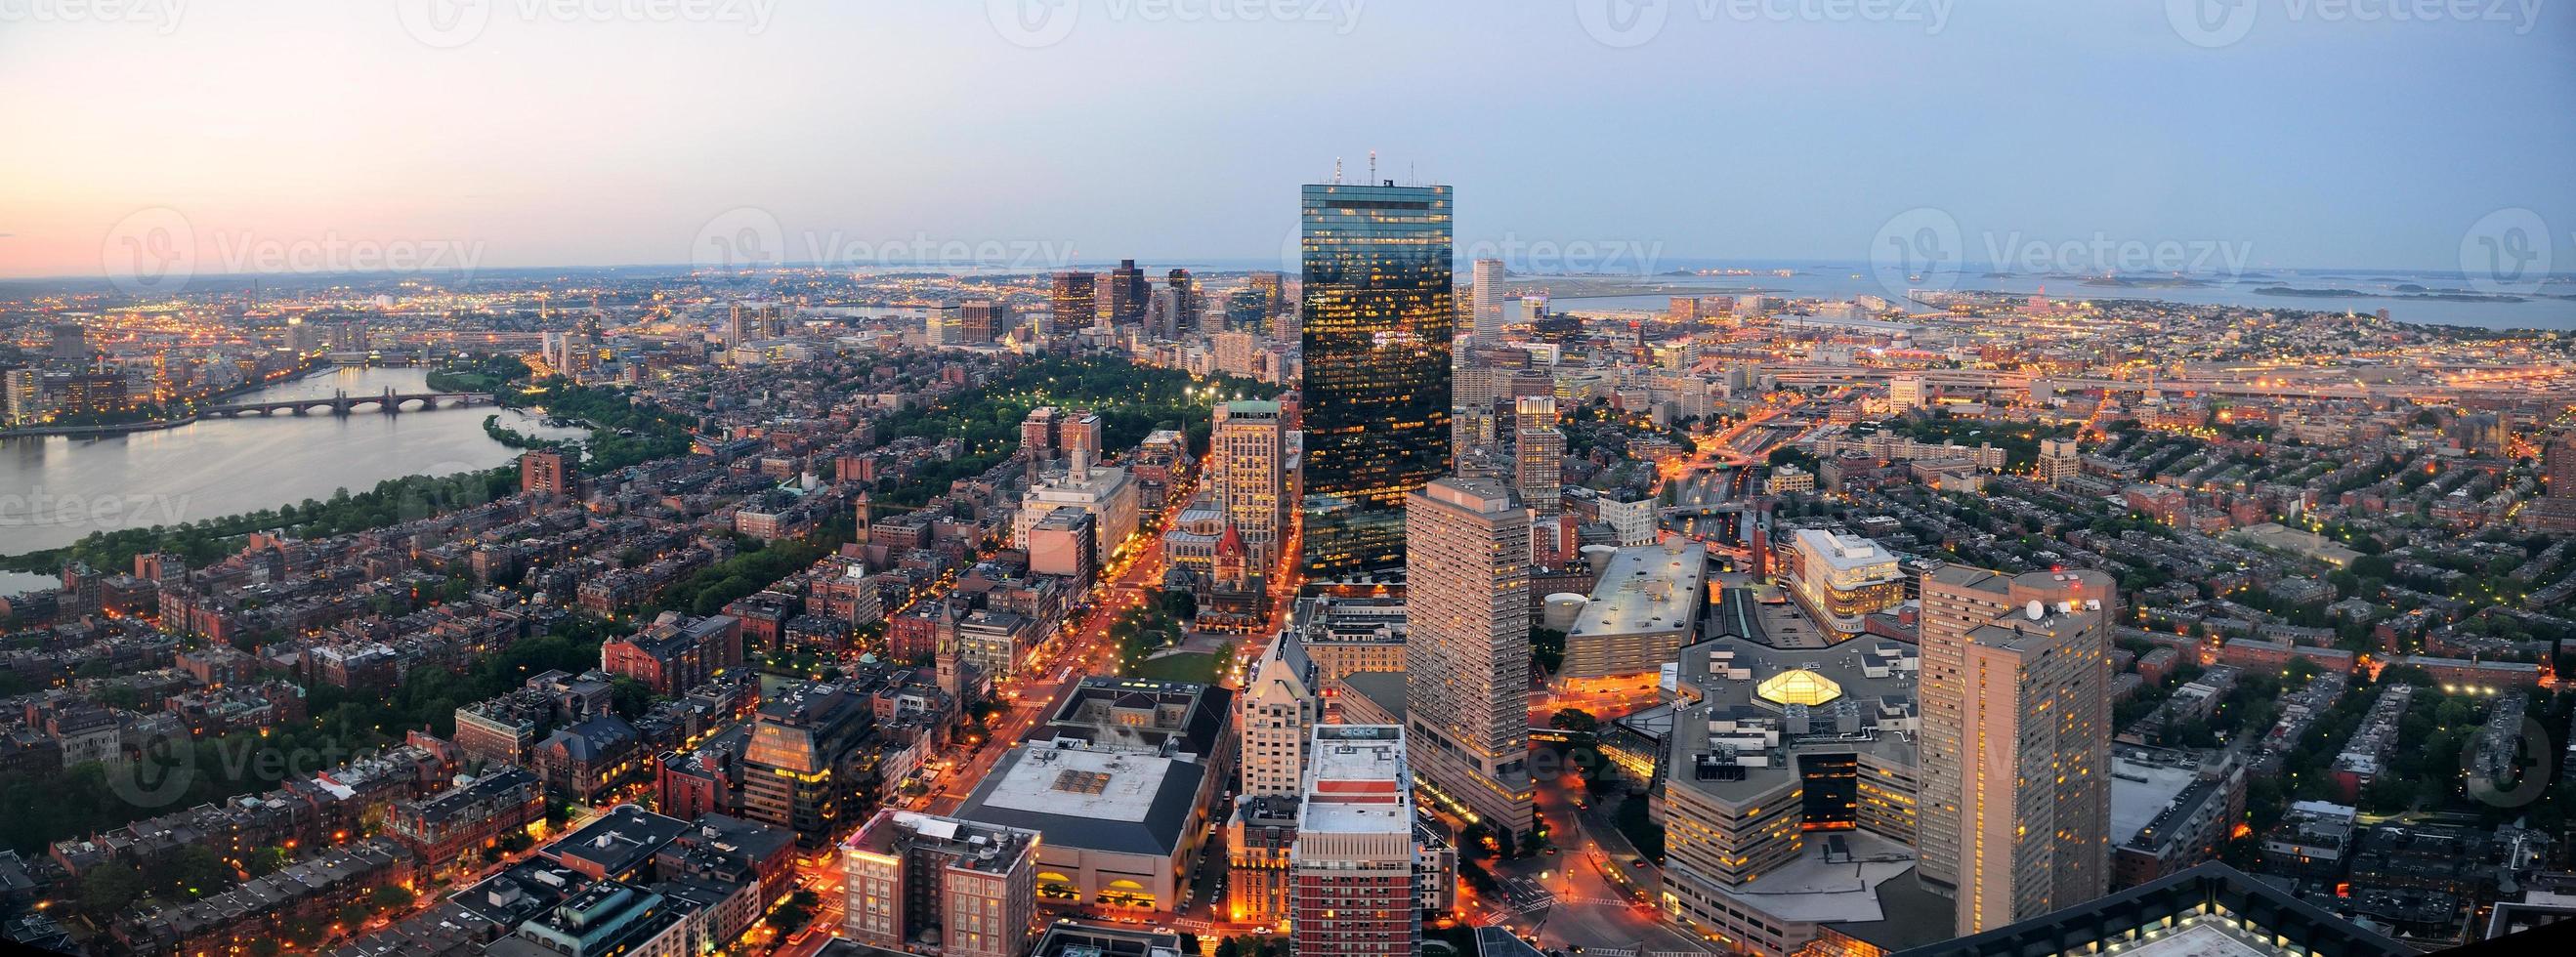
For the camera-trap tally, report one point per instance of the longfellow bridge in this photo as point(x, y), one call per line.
point(387, 402)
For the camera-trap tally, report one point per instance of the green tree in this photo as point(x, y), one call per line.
point(1574, 719)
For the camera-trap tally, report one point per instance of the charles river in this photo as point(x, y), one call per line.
point(55, 490)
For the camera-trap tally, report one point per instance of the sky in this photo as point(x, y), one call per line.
point(1594, 135)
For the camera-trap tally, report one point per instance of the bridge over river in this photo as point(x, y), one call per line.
point(387, 402)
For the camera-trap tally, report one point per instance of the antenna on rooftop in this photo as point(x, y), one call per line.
point(1372, 167)
point(1337, 170)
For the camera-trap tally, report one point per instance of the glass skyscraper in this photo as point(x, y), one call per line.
point(1377, 313)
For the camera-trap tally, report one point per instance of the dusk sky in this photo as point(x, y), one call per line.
point(1154, 130)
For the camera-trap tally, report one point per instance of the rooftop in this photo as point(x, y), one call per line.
point(1121, 802)
point(1646, 588)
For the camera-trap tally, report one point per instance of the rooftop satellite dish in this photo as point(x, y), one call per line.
point(2037, 611)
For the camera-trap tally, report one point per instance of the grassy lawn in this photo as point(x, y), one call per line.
point(1187, 666)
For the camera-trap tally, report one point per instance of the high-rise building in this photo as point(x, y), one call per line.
point(1840, 580)
point(71, 343)
point(1489, 302)
point(983, 320)
point(2558, 464)
point(1075, 301)
point(1906, 392)
point(1353, 891)
point(1281, 706)
point(806, 763)
point(2015, 807)
point(1375, 391)
point(2059, 461)
point(1128, 294)
point(22, 396)
point(1249, 452)
point(547, 472)
point(1186, 304)
point(974, 885)
point(1539, 473)
point(1467, 650)
point(1273, 293)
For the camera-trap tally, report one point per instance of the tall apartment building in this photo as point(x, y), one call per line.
point(1352, 888)
point(908, 874)
point(1467, 655)
point(1248, 456)
point(1280, 707)
point(2015, 753)
point(1539, 473)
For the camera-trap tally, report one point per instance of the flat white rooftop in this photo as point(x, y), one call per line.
point(1090, 784)
point(1647, 588)
point(1357, 782)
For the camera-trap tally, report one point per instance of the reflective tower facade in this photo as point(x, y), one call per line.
point(1376, 317)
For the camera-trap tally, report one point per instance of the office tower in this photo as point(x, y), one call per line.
point(1905, 392)
point(743, 325)
point(1467, 649)
point(1540, 473)
point(1186, 305)
point(21, 396)
point(1274, 295)
point(1246, 311)
point(71, 343)
point(1375, 391)
point(1352, 887)
point(1127, 294)
point(2058, 461)
point(982, 321)
point(1249, 448)
point(807, 761)
point(1162, 313)
point(2015, 754)
point(547, 472)
point(974, 885)
point(1281, 706)
point(1683, 311)
point(1489, 302)
point(1075, 299)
